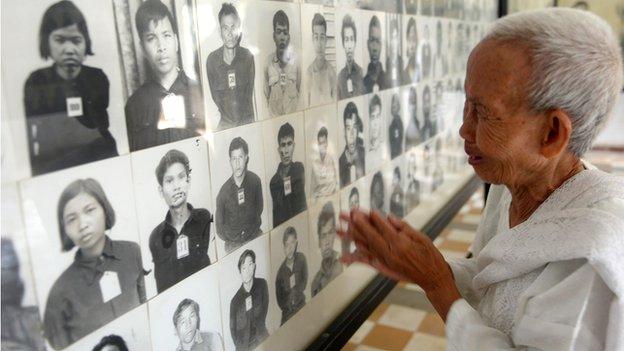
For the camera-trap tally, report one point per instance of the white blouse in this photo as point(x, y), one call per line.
point(553, 282)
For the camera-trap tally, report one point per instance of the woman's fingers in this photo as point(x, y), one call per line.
point(397, 223)
point(382, 225)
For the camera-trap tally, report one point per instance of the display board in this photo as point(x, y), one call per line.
point(173, 170)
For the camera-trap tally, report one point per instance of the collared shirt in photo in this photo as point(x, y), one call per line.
point(330, 269)
point(395, 136)
point(286, 206)
point(282, 84)
point(375, 78)
point(204, 341)
point(76, 305)
point(163, 242)
point(324, 178)
point(144, 111)
point(347, 162)
point(321, 83)
point(248, 312)
point(58, 138)
point(354, 75)
point(231, 86)
point(290, 285)
point(239, 221)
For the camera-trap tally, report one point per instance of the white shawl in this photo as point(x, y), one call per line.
point(554, 282)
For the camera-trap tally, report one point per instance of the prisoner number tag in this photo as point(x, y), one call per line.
point(174, 114)
point(349, 85)
point(74, 106)
point(394, 74)
point(287, 186)
point(182, 246)
point(109, 286)
point(283, 78)
point(248, 303)
point(232, 79)
point(292, 281)
point(352, 172)
point(241, 196)
point(396, 133)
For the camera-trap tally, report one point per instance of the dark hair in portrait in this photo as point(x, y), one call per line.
point(89, 186)
point(152, 11)
point(327, 214)
point(319, 20)
point(226, 10)
point(238, 143)
point(349, 112)
point(347, 22)
point(62, 14)
point(171, 157)
point(280, 18)
point(290, 231)
point(374, 101)
point(111, 340)
point(377, 180)
point(397, 172)
point(374, 22)
point(354, 191)
point(286, 130)
point(322, 133)
point(246, 253)
point(411, 23)
point(182, 306)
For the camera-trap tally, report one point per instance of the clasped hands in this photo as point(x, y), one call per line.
point(400, 252)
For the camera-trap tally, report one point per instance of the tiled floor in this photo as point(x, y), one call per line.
point(405, 320)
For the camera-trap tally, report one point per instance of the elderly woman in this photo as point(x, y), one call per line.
point(548, 271)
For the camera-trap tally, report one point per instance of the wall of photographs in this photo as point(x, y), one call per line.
point(172, 171)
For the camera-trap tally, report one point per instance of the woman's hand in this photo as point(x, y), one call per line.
point(402, 253)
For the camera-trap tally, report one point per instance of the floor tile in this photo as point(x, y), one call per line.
point(367, 348)
point(361, 333)
point(432, 324)
point(349, 347)
point(387, 338)
point(421, 342)
point(402, 318)
point(378, 312)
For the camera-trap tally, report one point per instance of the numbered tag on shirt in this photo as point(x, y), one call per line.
point(248, 303)
point(349, 86)
point(375, 88)
point(231, 79)
point(182, 246)
point(173, 112)
point(352, 172)
point(74, 106)
point(241, 196)
point(287, 186)
point(109, 286)
point(292, 281)
point(283, 78)
point(394, 74)
point(396, 133)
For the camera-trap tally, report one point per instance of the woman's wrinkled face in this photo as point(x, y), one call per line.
point(501, 135)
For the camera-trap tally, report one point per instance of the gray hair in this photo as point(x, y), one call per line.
point(577, 66)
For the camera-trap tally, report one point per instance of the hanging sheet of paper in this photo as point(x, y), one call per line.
point(292, 281)
point(231, 79)
point(109, 286)
point(349, 85)
point(74, 106)
point(287, 186)
point(182, 246)
point(173, 112)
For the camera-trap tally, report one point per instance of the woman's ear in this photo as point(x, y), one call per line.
point(556, 133)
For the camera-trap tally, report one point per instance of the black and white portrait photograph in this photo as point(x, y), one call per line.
point(321, 130)
point(350, 54)
point(246, 295)
point(188, 316)
point(425, 47)
point(64, 90)
point(429, 126)
point(375, 75)
point(318, 34)
point(411, 65)
point(325, 246)
point(396, 75)
point(289, 267)
point(412, 180)
point(128, 332)
point(279, 89)
point(394, 120)
point(375, 130)
point(440, 54)
point(412, 117)
point(284, 159)
point(228, 65)
point(239, 187)
point(21, 322)
point(174, 209)
point(83, 241)
point(437, 176)
point(378, 192)
point(164, 98)
point(355, 196)
point(351, 144)
point(397, 188)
